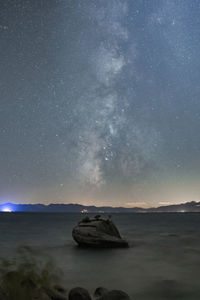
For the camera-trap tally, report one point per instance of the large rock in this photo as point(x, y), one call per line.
point(98, 232)
point(79, 293)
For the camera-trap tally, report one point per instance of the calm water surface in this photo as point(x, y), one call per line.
point(163, 261)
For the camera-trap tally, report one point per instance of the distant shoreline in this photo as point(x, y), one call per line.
point(79, 208)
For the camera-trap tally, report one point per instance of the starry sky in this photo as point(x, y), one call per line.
point(100, 101)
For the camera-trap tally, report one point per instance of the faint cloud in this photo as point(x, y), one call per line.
point(164, 203)
point(136, 204)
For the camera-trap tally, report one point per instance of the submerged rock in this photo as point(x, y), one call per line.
point(99, 292)
point(98, 232)
point(54, 294)
point(79, 293)
point(104, 294)
point(116, 295)
point(169, 289)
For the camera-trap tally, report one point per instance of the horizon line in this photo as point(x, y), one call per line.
point(109, 206)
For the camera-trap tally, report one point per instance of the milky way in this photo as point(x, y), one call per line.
point(100, 101)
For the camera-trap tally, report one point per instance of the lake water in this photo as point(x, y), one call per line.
point(163, 261)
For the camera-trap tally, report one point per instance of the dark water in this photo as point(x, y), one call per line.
point(163, 261)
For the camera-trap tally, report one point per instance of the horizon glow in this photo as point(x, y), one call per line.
point(6, 209)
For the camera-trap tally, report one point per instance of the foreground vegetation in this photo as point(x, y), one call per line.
point(28, 277)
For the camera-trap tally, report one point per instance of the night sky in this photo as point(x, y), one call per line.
point(100, 101)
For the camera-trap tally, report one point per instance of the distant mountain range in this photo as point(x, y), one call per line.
point(78, 208)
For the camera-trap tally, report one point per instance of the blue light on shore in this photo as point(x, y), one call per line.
point(6, 209)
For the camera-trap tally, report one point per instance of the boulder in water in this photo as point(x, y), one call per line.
point(99, 292)
point(104, 294)
point(98, 232)
point(116, 295)
point(79, 293)
point(54, 294)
